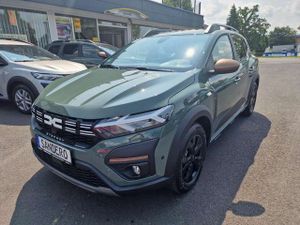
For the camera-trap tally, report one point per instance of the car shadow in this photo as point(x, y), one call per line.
point(47, 199)
point(9, 115)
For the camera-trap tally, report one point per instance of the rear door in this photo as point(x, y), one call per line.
point(242, 54)
point(223, 85)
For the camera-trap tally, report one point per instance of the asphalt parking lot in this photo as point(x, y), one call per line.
point(251, 174)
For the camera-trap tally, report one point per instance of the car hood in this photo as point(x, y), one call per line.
point(53, 66)
point(103, 93)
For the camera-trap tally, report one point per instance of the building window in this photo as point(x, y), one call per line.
point(25, 25)
point(64, 27)
point(139, 31)
point(112, 33)
point(85, 28)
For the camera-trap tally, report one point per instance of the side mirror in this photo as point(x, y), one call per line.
point(3, 63)
point(102, 55)
point(226, 66)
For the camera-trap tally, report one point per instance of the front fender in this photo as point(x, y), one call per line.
point(188, 120)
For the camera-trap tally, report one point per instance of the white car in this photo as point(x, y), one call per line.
point(25, 70)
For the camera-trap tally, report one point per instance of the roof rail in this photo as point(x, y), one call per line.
point(85, 40)
point(56, 41)
point(15, 39)
point(68, 40)
point(217, 26)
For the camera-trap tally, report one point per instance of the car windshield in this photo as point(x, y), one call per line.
point(108, 48)
point(25, 53)
point(173, 52)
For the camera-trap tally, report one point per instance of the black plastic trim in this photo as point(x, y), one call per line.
point(190, 118)
point(21, 80)
point(121, 190)
point(132, 150)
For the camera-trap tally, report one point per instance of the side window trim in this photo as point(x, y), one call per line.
point(209, 59)
point(245, 44)
point(229, 39)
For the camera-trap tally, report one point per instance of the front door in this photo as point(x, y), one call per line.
point(90, 55)
point(223, 85)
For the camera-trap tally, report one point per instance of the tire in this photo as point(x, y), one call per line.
point(251, 101)
point(23, 97)
point(190, 161)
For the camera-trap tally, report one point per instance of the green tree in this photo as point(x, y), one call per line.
point(233, 18)
point(282, 36)
point(184, 4)
point(253, 27)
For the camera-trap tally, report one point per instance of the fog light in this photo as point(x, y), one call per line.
point(136, 170)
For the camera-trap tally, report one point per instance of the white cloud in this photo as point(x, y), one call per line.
point(277, 12)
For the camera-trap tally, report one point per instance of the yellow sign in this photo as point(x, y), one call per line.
point(77, 25)
point(12, 17)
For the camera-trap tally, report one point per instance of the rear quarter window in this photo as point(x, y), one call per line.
point(241, 48)
point(54, 49)
point(71, 50)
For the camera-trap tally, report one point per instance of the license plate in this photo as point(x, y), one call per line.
point(55, 150)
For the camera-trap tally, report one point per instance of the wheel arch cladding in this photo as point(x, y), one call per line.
point(13, 82)
point(257, 81)
point(199, 114)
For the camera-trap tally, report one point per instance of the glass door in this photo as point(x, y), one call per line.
point(112, 35)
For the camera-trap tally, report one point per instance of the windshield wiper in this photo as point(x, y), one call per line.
point(25, 60)
point(109, 66)
point(149, 68)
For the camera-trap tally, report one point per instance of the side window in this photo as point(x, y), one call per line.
point(240, 46)
point(222, 49)
point(90, 51)
point(71, 50)
point(54, 49)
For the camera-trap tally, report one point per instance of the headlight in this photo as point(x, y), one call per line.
point(133, 123)
point(46, 76)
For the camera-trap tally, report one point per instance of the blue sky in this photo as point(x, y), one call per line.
point(277, 12)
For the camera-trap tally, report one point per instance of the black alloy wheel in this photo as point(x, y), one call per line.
point(192, 158)
point(251, 101)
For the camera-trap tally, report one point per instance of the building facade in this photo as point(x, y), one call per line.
point(116, 22)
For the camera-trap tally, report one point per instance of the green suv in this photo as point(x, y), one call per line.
point(145, 117)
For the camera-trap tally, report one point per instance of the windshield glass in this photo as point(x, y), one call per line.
point(25, 53)
point(108, 48)
point(174, 52)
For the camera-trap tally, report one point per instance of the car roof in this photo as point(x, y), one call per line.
point(213, 30)
point(72, 42)
point(181, 32)
point(13, 42)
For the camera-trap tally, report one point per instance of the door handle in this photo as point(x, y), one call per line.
point(237, 79)
point(251, 71)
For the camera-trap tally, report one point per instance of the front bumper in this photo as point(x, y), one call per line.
point(86, 176)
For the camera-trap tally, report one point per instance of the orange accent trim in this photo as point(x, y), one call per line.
point(128, 159)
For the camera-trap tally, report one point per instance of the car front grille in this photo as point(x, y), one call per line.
point(77, 171)
point(75, 132)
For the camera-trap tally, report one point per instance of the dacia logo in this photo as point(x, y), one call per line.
point(54, 122)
